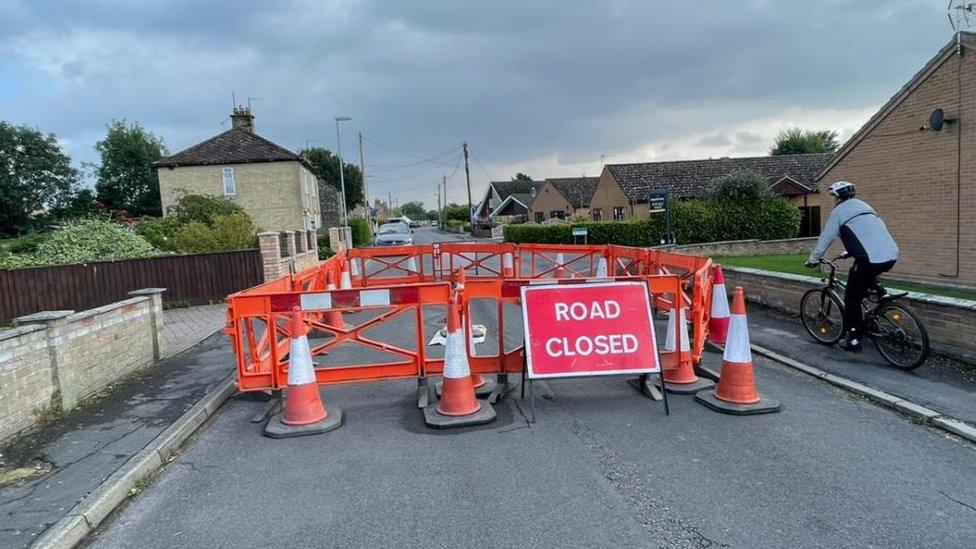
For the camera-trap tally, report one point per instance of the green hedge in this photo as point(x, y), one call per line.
point(692, 221)
point(361, 235)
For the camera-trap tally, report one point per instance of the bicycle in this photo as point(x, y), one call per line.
point(896, 329)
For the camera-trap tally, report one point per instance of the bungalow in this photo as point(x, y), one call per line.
point(623, 189)
point(918, 173)
point(497, 193)
point(563, 197)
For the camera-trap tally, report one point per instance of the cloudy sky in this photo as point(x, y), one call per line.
point(544, 87)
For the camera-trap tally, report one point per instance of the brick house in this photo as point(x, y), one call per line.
point(623, 189)
point(918, 179)
point(276, 187)
point(498, 192)
point(563, 197)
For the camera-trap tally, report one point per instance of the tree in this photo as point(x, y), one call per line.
point(797, 141)
point(126, 179)
point(521, 177)
point(432, 215)
point(326, 166)
point(457, 212)
point(78, 205)
point(203, 208)
point(34, 174)
point(738, 186)
point(413, 210)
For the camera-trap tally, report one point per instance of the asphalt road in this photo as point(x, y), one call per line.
point(601, 466)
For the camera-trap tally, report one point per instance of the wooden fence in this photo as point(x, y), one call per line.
point(195, 278)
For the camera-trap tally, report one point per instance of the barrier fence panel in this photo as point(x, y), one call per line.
point(386, 324)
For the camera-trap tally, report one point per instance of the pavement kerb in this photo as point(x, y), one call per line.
point(100, 502)
point(907, 407)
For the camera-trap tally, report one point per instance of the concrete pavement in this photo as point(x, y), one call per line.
point(183, 328)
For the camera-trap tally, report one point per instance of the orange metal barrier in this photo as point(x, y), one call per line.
point(414, 282)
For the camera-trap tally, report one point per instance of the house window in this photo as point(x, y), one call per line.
point(230, 185)
point(618, 213)
point(596, 214)
point(557, 214)
point(809, 221)
point(540, 217)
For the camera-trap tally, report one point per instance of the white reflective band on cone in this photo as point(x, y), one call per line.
point(354, 267)
point(455, 359)
point(300, 369)
point(601, 267)
point(507, 260)
point(720, 301)
point(737, 345)
point(412, 265)
point(345, 283)
point(669, 339)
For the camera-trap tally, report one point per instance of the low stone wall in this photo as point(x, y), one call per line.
point(287, 252)
point(746, 247)
point(54, 359)
point(950, 322)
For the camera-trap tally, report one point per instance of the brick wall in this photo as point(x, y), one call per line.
point(746, 247)
point(54, 359)
point(950, 322)
point(548, 199)
point(910, 176)
point(300, 251)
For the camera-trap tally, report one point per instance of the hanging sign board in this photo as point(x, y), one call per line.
point(579, 231)
point(574, 330)
point(658, 201)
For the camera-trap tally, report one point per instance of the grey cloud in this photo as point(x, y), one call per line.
point(715, 140)
point(519, 80)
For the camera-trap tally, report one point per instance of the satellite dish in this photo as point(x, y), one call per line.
point(962, 14)
point(937, 120)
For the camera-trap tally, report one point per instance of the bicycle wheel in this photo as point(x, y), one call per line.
point(822, 315)
point(900, 336)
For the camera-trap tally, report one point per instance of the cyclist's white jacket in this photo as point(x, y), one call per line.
point(863, 233)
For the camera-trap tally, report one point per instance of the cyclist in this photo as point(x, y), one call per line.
point(867, 240)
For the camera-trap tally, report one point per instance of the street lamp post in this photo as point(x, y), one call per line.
point(342, 177)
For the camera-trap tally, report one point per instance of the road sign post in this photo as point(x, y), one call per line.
point(593, 329)
point(660, 201)
point(580, 232)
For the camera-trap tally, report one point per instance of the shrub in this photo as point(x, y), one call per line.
point(203, 208)
point(160, 231)
point(92, 240)
point(692, 222)
point(25, 243)
point(227, 232)
point(16, 261)
point(361, 233)
point(741, 186)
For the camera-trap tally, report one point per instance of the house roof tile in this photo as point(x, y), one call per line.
point(234, 146)
point(577, 190)
point(695, 178)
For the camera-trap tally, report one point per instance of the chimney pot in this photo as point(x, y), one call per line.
point(243, 119)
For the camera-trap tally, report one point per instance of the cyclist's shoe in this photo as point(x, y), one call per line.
point(851, 345)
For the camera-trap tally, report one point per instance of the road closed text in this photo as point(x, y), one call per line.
point(588, 329)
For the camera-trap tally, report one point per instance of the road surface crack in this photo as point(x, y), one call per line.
point(654, 513)
point(964, 504)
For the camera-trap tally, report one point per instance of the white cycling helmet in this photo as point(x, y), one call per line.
point(842, 190)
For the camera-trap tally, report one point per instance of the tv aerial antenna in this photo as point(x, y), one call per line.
point(962, 14)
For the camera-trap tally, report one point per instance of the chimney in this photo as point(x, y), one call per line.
point(243, 119)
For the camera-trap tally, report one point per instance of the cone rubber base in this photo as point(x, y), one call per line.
point(276, 429)
point(480, 392)
point(436, 420)
point(687, 388)
point(764, 406)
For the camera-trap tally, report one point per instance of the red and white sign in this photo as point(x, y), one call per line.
point(588, 329)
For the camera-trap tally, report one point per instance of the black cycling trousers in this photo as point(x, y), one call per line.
point(862, 276)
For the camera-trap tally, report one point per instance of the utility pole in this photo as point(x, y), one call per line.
point(389, 204)
point(362, 172)
point(467, 176)
point(438, 206)
point(441, 211)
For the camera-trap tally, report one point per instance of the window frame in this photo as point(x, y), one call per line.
point(224, 172)
point(618, 213)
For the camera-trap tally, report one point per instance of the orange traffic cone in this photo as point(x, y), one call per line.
point(736, 392)
point(482, 387)
point(601, 268)
point(345, 281)
point(508, 266)
point(458, 406)
point(718, 322)
point(304, 413)
point(560, 271)
point(333, 317)
point(676, 363)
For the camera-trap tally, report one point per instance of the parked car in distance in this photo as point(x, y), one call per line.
point(433, 223)
point(394, 234)
point(414, 224)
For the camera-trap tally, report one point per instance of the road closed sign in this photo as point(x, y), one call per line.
point(588, 329)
